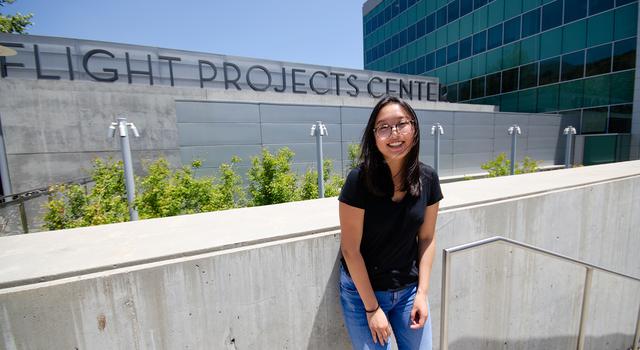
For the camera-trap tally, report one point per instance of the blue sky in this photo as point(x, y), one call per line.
point(327, 32)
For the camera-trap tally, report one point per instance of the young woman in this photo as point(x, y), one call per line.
point(388, 210)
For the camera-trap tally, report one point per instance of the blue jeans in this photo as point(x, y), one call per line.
point(396, 305)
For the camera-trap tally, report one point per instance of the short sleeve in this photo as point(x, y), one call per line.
point(352, 193)
point(435, 192)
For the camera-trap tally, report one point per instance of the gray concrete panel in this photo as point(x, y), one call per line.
point(295, 133)
point(297, 114)
point(214, 156)
point(469, 163)
point(306, 152)
point(206, 134)
point(465, 131)
point(355, 115)
point(472, 146)
point(202, 112)
point(431, 117)
point(469, 118)
point(352, 132)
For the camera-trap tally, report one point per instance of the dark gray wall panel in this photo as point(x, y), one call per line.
point(296, 114)
point(355, 115)
point(306, 152)
point(213, 156)
point(206, 134)
point(189, 112)
point(295, 133)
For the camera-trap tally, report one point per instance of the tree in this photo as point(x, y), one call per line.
point(14, 23)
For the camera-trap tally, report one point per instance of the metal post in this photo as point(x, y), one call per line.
point(4, 167)
point(585, 307)
point(122, 125)
point(436, 130)
point(23, 217)
point(318, 130)
point(444, 303)
point(513, 130)
point(636, 338)
point(569, 131)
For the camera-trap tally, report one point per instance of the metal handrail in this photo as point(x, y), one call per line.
point(446, 268)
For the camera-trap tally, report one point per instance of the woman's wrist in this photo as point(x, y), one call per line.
point(370, 311)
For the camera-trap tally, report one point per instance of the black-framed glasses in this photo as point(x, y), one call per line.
point(385, 130)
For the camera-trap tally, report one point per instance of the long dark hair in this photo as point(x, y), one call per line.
point(376, 173)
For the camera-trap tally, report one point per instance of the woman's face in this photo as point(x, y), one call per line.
point(394, 132)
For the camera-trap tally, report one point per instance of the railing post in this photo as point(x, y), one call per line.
point(444, 303)
point(585, 307)
point(23, 217)
point(636, 339)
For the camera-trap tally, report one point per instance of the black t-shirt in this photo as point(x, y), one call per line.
point(389, 243)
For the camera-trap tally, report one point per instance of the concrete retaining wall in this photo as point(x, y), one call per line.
point(266, 277)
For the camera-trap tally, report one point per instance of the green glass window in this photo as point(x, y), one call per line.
point(465, 48)
point(453, 32)
point(477, 87)
point(494, 60)
point(597, 6)
point(464, 90)
point(624, 54)
point(430, 41)
point(551, 43)
point(574, 9)
point(622, 87)
point(626, 20)
point(509, 102)
point(441, 17)
point(480, 42)
point(511, 55)
point(429, 61)
point(480, 17)
point(531, 23)
point(596, 91)
point(571, 94)
point(529, 76)
point(512, 30)
point(441, 37)
point(464, 68)
point(552, 15)
point(452, 53)
point(494, 36)
point(600, 29)
point(530, 4)
point(452, 72)
point(529, 50)
point(512, 8)
point(620, 119)
point(452, 93)
point(493, 83)
point(466, 6)
point(510, 80)
point(527, 101)
point(548, 98)
point(466, 25)
point(594, 120)
point(479, 65)
point(598, 60)
point(441, 57)
point(572, 66)
point(453, 10)
point(430, 23)
point(496, 12)
point(574, 36)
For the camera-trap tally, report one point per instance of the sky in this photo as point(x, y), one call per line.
point(327, 32)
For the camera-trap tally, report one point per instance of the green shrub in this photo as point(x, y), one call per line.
point(353, 152)
point(309, 182)
point(271, 180)
point(501, 166)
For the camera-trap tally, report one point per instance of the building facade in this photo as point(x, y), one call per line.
point(574, 57)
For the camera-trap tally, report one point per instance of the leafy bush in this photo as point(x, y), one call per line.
point(309, 182)
point(353, 152)
point(271, 180)
point(501, 166)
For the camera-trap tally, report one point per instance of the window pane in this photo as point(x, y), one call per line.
point(479, 3)
point(453, 11)
point(479, 42)
point(496, 12)
point(464, 68)
point(465, 48)
point(552, 15)
point(511, 55)
point(395, 42)
point(549, 71)
point(464, 90)
point(452, 93)
point(551, 43)
point(512, 30)
point(571, 94)
point(477, 87)
point(594, 120)
point(411, 36)
point(623, 2)
point(430, 24)
point(529, 50)
point(527, 101)
point(599, 60)
point(403, 38)
point(494, 60)
point(597, 6)
point(574, 36)
point(510, 80)
point(420, 67)
point(548, 98)
point(452, 53)
point(596, 91)
point(452, 72)
point(620, 119)
point(429, 61)
point(494, 36)
point(573, 65)
point(624, 54)
point(531, 23)
point(441, 17)
point(626, 20)
point(528, 76)
point(509, 102)
point(512, 8)
point(478, 65)
point(574, 9)
point(466, 6)
point(622, 87)
point(421, 28)
point(493, 83)
point(600, 29)
point(441, 57)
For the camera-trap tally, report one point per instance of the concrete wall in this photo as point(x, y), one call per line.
point(266, 277)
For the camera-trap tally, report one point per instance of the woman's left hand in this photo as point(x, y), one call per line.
point(419, 312)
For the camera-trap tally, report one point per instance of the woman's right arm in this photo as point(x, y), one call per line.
point(351, 225)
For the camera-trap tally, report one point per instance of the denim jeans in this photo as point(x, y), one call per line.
point(396, 305)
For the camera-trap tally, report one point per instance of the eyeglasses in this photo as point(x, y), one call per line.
point(385, 130)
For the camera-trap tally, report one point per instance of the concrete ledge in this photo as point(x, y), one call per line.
point(46, 256)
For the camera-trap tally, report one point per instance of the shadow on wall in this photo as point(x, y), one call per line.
point(607, 342)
